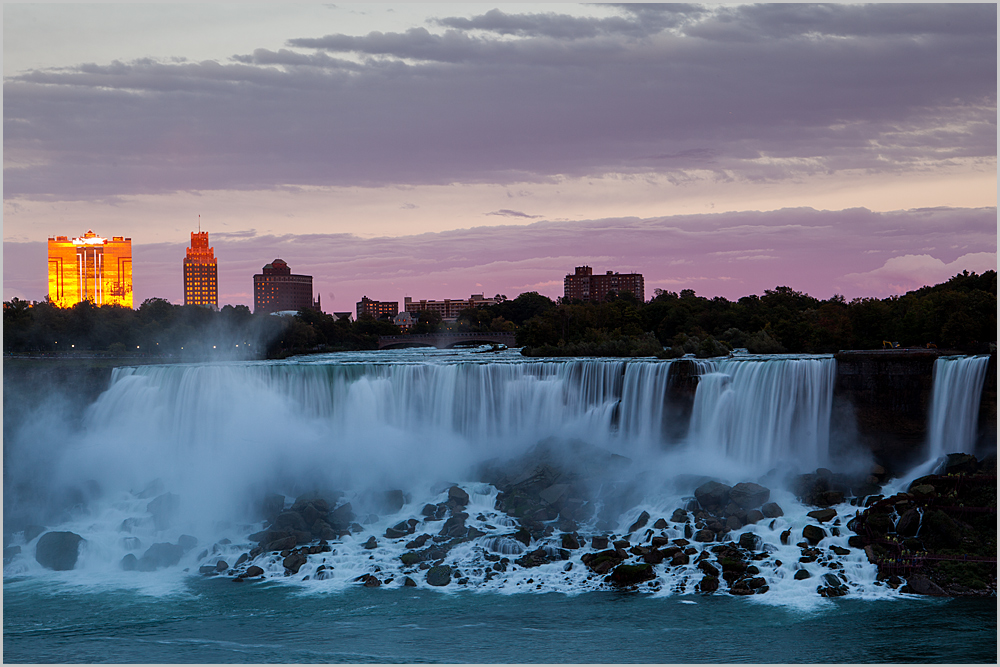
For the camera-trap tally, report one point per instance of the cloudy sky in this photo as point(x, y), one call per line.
point(441, 150)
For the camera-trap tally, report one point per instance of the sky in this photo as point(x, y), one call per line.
point(441, 150)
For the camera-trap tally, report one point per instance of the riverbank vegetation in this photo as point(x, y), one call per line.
point(959, 314)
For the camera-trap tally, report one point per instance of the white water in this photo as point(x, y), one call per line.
point(220, 436)
point(954, 411)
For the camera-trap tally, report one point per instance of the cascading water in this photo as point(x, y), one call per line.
point(762, 412)
point(954, 412)
point(221, 436)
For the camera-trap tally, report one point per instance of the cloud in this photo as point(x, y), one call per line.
point(507, 213)
point(753, 94)
point(908, 272)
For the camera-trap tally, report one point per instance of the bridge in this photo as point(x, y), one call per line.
point(447, 339)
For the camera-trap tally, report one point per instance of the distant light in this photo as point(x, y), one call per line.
point(137, 347)
point(72, 345)
point(213, 347)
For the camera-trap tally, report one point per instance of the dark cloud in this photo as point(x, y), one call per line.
point(756, 93)
point(507, 213)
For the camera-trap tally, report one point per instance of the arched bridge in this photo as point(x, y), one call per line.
point(446, 339)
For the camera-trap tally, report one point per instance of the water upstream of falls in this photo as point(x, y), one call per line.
point(220, 436)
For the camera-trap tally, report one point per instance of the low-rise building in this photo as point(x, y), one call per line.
point(582, 284)
point(377, 309)
point(447, 308)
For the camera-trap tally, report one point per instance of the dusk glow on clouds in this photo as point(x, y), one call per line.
point(423, 150)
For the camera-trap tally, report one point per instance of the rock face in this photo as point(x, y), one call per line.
point(749, 495)
point(58, 550)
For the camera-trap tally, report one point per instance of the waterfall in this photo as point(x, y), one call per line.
point(954, 412)
point(763, 412)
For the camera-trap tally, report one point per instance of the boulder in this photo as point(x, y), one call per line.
point(679, 516)
point(394, 500)
point(786, 536)
point(908, 524)
point(733, 523)
point(221, 566)
point(58, 550)
point(960, 464)
point(341, 517)
point(294, 561)
point(419, 542)
point(712, 494)
point(771, 510)
point(439, 576)
point(921, 585)
point(187, 542)
point(750, 542)
point(923, 491)
point(161, 554)
point(599, 542)
point(640, 522)
point(823, 515)
point(704, 535)
point(460, 497)
point(372, 543)
point(708, 584)
point(661, 524)
point(802, 574)
point(129, 563)
point(569, 541)
point(163, 508)
point(813, 534)
point(753, 516)
point(455, 525)
point(409, 583)
point(429, 510)
point(290, 520)
point(254, 571)
point(749, 495)
point(555, 493)
point(630, 575)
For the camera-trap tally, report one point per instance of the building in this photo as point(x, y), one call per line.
point(448, 308)
point(276, 288)
point(377, 309)
point(90, 268)
point(201, 273)
point(405, 320)
point(585, 286)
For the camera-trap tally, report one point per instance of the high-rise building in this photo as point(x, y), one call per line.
point(90, 268)
point(276, 288)
point(201, 273)
point(377, 309)
point(585, 286)
point(447, 308)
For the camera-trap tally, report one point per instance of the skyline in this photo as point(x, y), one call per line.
point(435, 151)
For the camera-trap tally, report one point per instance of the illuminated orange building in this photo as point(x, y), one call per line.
point(90, 268)
point(201, 273)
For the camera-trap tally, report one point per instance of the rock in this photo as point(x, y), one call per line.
point(733, 523)
point(555, 493)
point(294, 561)
point(840, 551)
point(802, 574)
point(222, 566)
point(771, 510)
point(753, 516)
point(756, 583)
point(813, 534)
point(712, 494)
point(921, 585)
point(640, 522)
point(749, 495)
point(439, 576)
point(341, 517)
point(187, 542)
point(409, 583)
point(958, 464)
point(419, 542)
point(372, 543)
point(680, 558)
point(828, 498)
point(750, 542)
point(161, 554)
point(823, 515)
point(629, 575)
point(679, 516)
point(459, 496)
point(785, 536)
point(394, 500)
point(129, 563)
point(242, 559)
point(908, 524)
point(923, 491)
point(569, 541)
point(704, 535)
point(455, 525)
point(856, 542)
point(371, 581)
point(599, 542)
point(401, 529)
point(163, 509)
point(254, 571)
point(58, 550)
point(429, 510)
point(708, 584)
point(660, 524)
point(290, 520)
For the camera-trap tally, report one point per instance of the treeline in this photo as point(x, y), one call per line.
point(959, 314)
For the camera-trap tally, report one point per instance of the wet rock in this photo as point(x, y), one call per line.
point(458, 496)
point(958, 464)
point(439, 576)
point(161, 554)
point(553, 495)
point(401, 529)
point(733, 523)
point(429, 510)
point(409, 583)
point(679, 516)
point(750, 541)
point(163, 508)
point(242, 559)
point(602, 561)
point(569, 541)
point(640, 522)
point(207, 569)
point(221, 566)
point(708, 584)
point(455, 525)
point(599, 542)
point(680, 558)
point(372, 543)
point(294, 561)
point(660, 524)
point(802, 574)
point(419, 542)
point(704, 535)
point(630, 575)
point(753, 516)
point(840, 551)
point(823, 515)
point(187, 542)
point(712, 494)
point(908, 524)
point(813, 534)
point(921, 585)
point(341, 518)
point(129, 563)
point(749, 495)
point(369, 581)
point(254, 571)
point(771, 510)
point(58, 550)
point(785, 536)
point(290, 520)
point(923, 491)
point(856, 542)
point(393, 501)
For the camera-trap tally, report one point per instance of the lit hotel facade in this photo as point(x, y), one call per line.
point(201, 273)
point(90, 268)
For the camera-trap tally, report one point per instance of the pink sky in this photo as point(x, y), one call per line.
point(438, 151)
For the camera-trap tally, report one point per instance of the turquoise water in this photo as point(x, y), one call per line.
point(218, 621)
